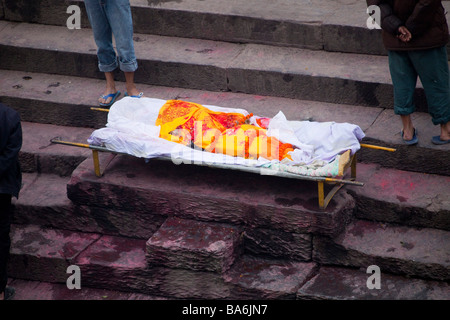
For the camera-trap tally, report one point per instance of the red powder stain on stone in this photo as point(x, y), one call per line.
point(258, 98)
point(384, 184)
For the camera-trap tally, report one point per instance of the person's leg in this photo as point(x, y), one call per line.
point(5, 241)
point(433, 70)
point(404, 80)
point(107, 58)
point(131, 86)
point(408, 127)
point(445, 131)
point(119, 13)
point(110, 88)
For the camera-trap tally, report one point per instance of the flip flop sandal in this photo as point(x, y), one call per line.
point(437, 140)
point(138, 96)
point(111, 95)
point(413, 141)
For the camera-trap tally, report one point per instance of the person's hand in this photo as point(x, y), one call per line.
point(404, 34)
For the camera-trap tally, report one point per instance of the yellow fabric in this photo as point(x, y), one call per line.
point(191, 123)
point(181, 116)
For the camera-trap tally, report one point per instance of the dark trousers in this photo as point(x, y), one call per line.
point(431, 66)
point(5, 240)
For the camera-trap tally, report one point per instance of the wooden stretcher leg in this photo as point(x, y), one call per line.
point(353, 167)
point(98, 173)
point(325, 200)
point(97, 169)
point(331, 194)
point(321, 195)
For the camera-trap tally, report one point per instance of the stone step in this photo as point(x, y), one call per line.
point(110, 264)
point(39, 155)
point(409, 199)
point(116, 263)
point(249, 277)
point(416, 252)
point(194, 245)
point(333, 77)
point(313, 24)
point(43, 201)
point(25, 92)
point(333, 283)
point(209, 194)
point(252, 277)
point(45, 254)
point(56, 99)
point(402, 197)
point(392, 196)
point(38, 290)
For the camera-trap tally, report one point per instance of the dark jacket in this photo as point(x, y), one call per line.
point(10, 144)
point(425, 19)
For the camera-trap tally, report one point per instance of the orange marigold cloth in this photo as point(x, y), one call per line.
point(192, 124)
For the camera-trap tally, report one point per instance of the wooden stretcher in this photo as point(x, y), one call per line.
point(323, 199)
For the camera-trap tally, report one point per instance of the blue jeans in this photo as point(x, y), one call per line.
point(108, 18)
point(431, 66)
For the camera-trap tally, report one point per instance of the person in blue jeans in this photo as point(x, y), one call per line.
point(108, 18)
point(415, 33)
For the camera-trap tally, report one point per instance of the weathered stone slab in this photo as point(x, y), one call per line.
point(297, 73)
point(55, 99)
point(209, 65)
point(43, 201)
point(44, 254)
point(402, 197)
point(119, 264)
point(425, 157)
point(41, 11)
point(37, 290)
point(188, 63)
point(194, 245)
point(233, 27)
point(255, 278)
point(332, 283)
point(314, 24)
point(188, 284)
point(202, 193)
point(39, 155)
point(423, 253)
point(278, 244)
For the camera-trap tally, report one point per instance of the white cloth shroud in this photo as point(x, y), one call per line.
point(131, 129)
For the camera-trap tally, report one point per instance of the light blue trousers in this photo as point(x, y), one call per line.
point(108, 18)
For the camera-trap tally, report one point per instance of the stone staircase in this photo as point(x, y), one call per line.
point(162, 231)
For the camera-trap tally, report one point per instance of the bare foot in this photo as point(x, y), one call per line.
point(2, 296)
point(103, 98)
point(110, 88)
point(133, 91)
point(130, 85)
point(408, 134)
point(408, 127)
point(445, 131)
